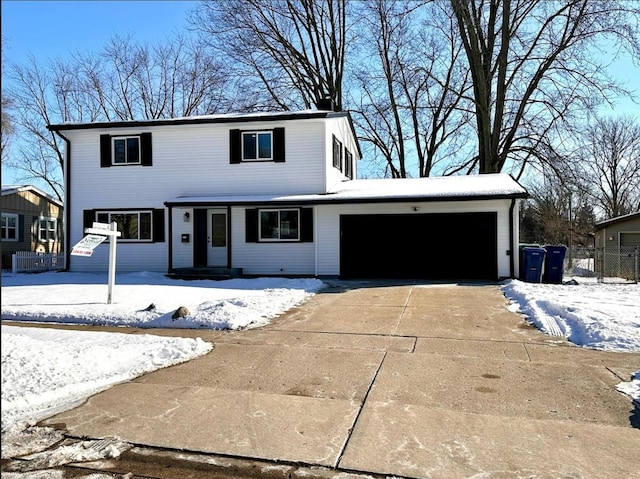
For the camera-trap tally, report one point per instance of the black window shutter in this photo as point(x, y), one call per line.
point(158, 226)
point(105, 151)
point(146, 150)
point(306, 225)
point(234, 146)
point(278, 145)
point(88, 217)
point(251, 225)
point(35, 229)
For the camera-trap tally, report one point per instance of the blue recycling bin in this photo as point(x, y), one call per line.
point(554, 264)
point(532, 261)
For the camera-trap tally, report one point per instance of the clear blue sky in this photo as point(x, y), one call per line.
point(49, 29)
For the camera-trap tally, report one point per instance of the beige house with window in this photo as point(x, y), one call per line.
point(31, 221)
point(620, 232)
point(619, 241)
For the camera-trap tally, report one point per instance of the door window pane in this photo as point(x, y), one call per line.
point(218, 230)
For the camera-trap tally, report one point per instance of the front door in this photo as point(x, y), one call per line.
point(217, 237)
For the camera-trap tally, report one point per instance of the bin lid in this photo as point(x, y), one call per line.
point(555, 248)
point(534, 249)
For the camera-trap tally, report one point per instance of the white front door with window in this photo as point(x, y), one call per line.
point(217, 237)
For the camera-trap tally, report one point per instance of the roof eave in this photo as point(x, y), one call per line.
point(198, 120)
point(338, 201)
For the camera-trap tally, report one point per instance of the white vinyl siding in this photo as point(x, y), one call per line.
point(199, 157)
point(182, 252)
point(269, 258)
point(339, 127)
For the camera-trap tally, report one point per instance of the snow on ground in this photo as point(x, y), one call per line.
point(45, 371)
point(591, 314)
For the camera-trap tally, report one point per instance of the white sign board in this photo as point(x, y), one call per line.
point(86, 245)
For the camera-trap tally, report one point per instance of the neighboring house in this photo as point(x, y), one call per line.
point(275, 194)
point(31, 221)
point(619, 241)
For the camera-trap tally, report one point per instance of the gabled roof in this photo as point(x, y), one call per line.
point(618, 219)
point(444, 188)
point(11, 189)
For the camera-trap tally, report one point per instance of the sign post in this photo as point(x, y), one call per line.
point(96, 235)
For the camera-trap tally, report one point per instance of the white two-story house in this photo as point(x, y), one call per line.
point(269, 194)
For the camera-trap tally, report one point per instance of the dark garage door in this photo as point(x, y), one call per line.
point(419, 246)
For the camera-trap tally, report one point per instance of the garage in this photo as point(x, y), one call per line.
point(419, 246)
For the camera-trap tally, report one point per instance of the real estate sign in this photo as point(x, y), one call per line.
point(86, 245)
point(96, 235)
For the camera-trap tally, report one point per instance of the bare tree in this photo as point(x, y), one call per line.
point(125, 81)
point(42, 154)
point(534, 67)
point(408, 88)
point(286, 53)
point(558, 211)
point(8, 129)
point(610, 165)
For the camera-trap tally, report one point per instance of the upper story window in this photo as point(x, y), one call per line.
point(348, 164)
point(246, 146)
point(47, 230)
point(9, 227)
point(337, 153)
point(257, 146)
point(125, 150)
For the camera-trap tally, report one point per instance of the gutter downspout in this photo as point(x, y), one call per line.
point(66, 174)
point(511, 239)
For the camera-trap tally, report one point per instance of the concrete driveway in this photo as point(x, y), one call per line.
point(379, 379)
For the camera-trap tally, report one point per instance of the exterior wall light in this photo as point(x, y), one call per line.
point(185, 217)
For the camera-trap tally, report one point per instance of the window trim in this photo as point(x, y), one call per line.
point(48, 239)
point(138, 212)
point(337, 153)
point(5, 227)
point(257, 134)
point(348, 164)
point(279, 239)
point(126, 139)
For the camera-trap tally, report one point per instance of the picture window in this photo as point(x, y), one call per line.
point(279, 225)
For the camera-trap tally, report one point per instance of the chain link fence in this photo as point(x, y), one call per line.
point(608, 265)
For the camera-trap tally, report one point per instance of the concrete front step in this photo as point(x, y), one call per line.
point(214, 273)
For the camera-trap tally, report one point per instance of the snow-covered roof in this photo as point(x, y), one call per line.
point(617, 219)
point(11, 189)
point(217, 118)
point(444, 188)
